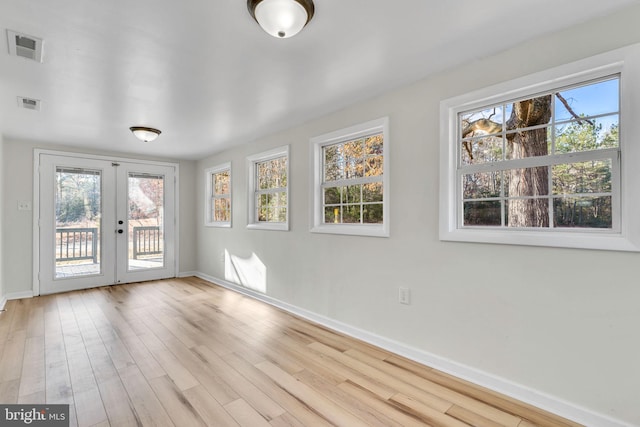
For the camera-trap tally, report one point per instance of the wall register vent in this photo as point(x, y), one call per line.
point(29, 103)
point(24, 45)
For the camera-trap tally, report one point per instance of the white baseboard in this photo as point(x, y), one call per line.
point(522, 393)
point(19, 295)
point(187, 273)
point(3, 301)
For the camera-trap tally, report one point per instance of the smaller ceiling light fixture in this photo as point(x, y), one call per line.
point(281, 18)
point(145, 134)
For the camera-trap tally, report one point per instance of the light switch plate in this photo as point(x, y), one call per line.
point(24, 205)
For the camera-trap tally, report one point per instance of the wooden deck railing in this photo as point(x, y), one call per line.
point(146, 241)
point(76, 244)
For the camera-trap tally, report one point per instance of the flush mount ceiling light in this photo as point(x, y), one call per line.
point(281, 18)
point(145, 134)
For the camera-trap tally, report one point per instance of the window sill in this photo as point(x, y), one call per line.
point(269, 226)
point(596, 240)
point(352, 230)
point(218, 224)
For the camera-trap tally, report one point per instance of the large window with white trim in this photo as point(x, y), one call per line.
point(350, 180)
point(542, 165)
point(549, 161)
point(269, 189)
point(218, 196)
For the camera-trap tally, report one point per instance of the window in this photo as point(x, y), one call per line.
point(351, 180)
point(269, 189)
point(543, 162)
point(542, 165)
point(218, 196)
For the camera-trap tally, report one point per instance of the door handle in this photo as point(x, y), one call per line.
point(120, 231)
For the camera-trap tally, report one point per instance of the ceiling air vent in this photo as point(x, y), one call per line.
point(25, 45)
point(29, 103)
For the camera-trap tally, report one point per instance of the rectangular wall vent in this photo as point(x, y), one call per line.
point(24, 45)
point(29, 103)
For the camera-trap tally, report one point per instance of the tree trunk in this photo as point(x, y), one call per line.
point(531, 181)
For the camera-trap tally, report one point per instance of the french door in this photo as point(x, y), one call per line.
point(102, 222)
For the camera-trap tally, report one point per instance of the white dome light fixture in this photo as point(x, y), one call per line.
point(281, 18)
point(144, 133)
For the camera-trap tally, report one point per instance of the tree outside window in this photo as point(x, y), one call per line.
point(542, 162)
point(269, 190)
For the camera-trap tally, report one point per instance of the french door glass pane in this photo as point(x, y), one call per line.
point(146, 221)
point(78, 220)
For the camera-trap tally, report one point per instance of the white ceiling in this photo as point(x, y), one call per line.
point(206, 74)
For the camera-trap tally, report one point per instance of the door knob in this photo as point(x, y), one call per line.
point(120, 231)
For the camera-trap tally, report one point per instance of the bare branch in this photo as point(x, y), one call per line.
point(573, 113)
point(485, 126)
point(482, 125)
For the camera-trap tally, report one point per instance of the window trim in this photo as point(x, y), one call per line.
point(626, 63)
point(316, 167)
point(209, 196)
point(252, 161)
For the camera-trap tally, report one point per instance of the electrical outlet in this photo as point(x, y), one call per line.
point(404, 296)
point(24, 205)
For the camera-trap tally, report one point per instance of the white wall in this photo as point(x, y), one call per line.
point(561, 322)
point(18, 225)
point(2, 293)
point(187, 217)
point(17, 257)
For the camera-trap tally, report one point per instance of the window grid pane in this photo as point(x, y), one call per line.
point(271, 195)
point(582, 120)
point(352, 178)
point(220, 196)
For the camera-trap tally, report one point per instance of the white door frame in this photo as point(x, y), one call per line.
point(36, 202)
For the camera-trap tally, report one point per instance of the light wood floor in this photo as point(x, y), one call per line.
point(182, 352)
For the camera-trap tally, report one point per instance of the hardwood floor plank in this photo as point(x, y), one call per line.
point(207, 375)
point(426, 413)
point(322, 405)
point(6, 319)
point(9, 391)
point(12, 356)
point(262, 403)
point(86, 395)
point(245, 415)
point(35, 326)
point(211, 412)
point(350, 403)
point(479, 393)
point(32, 380)
point(58, 383)
point(266, 349)
point(286, 420)
point(120, 409)
point(20, 320)
point(175, 403)
point(331, 369)
point(148, 409)
point(434, 389)
point(298, 413)
point(35, 398)
point(185, 352)
point(173, 327)
point(369, 369)
point(170, 364)
point(472, 418)
point(397, 415)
